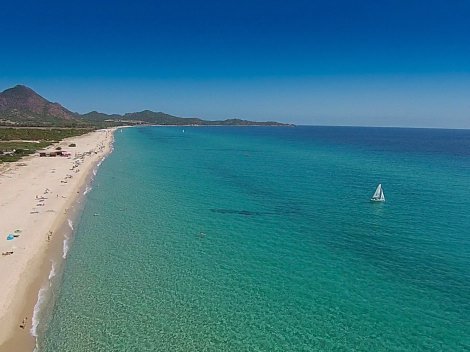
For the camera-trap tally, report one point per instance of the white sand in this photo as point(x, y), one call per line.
point(34, 198)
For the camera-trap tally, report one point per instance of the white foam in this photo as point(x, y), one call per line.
point(95, 171)
point(52, 272)
point(41, 298)
point(66, 247)
point(66, 241)
point(87, 189)
point(37, 309)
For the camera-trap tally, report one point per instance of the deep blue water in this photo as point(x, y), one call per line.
point(264, 239)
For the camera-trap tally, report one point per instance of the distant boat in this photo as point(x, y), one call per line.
point(378, 195)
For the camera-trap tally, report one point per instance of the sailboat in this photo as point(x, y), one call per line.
point(378, 195)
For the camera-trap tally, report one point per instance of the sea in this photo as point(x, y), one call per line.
point(265, 239)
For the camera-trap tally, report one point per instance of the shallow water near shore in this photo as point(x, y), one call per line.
point(264, 239)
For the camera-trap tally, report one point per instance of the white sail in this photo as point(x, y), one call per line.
point(379, 194)
point(382, 196)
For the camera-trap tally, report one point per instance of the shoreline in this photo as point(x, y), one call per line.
point(39, 251)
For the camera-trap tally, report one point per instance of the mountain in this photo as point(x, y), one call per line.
point(161, 118)
point(21, 106)
point(99, 117)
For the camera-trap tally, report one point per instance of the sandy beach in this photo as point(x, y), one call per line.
point(38, 195)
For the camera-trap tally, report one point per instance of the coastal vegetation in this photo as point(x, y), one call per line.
point(16, 143)
point(40, 134)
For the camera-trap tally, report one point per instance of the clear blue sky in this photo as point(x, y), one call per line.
point(385, 63)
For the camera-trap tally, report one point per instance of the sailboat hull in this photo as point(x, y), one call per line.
point(377, 200)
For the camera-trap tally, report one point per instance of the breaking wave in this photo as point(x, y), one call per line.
point(87, 189)
point(42, 295)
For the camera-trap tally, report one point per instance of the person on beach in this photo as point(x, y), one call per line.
point(23, 323)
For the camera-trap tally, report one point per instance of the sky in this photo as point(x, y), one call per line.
point(372, 63)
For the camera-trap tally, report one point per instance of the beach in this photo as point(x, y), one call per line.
point(38, 198)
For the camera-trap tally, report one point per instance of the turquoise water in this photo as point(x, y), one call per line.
point(264, 239)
